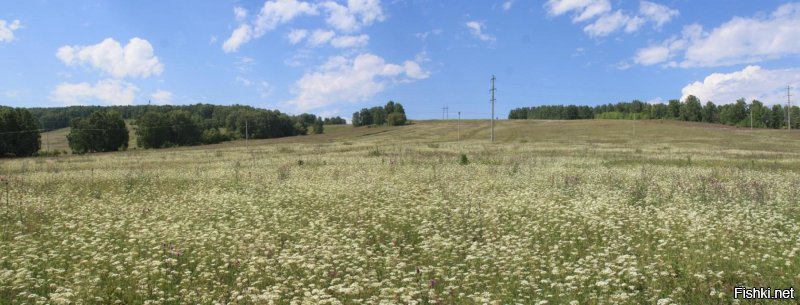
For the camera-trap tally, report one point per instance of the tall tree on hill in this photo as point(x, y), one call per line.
point(691, 109)
point(19, 133)
point(100, 132)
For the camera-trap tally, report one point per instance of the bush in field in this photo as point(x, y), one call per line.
point(101, 131)
point(19, 135)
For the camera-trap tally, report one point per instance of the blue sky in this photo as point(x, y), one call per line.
point(335, 57)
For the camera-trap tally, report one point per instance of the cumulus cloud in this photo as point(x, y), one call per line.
point(136, 59)
point(272, 14)
point(7, 30)
point(108, 91)
point(348, 17)
point(354, 15)
point(161, 96)
point(752, 82)
point(476, 29)
point(297, 35)
point(356, 79)
point(740, 40)
point(348, 41)
point(605, 21)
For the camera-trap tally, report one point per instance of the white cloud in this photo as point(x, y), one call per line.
point(272, 14)
point(7, 30)
point(659, 14)
point(277, 12)
point(507, 4)
point(297, 35)
point(346, 41)
point(651, 55)
point(263, 88)
point(240, 36)
point(425, 35)
point(135, 59)
point(320, 37)
point(476, 28)
point(356, 14)
point(343, 79)
point(740, 40)
point(162, 96)
point(752, 82)
point(244, 64)
point(610, 23)
point(240, 14)
point(108, 91)
point(604, 21)
point(596, 8)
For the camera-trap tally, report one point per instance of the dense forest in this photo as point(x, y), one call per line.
point(739, 113)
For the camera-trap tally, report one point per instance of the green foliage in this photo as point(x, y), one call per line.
point(396, 119)
point(174, 128)
point(691, 109)
point(463, 160)
point(334, 121)
point(318, 126)
point(213, 136)
point(736, 114)
point(102, 131)
point(19, 135)
point(392, 114)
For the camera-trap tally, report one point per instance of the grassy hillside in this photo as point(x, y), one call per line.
point(564, 212)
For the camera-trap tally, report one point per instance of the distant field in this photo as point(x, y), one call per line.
point(554, 212)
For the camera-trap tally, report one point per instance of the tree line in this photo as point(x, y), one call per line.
point(60, 117)
point(103, 129)
point(692, 110)
point(392, 114)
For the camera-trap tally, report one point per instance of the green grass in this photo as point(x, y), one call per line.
point(553, 211)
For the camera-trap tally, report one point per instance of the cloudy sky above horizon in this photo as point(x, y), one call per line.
point(334, 57)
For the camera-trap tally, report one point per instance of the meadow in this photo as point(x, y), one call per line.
point(553, 212)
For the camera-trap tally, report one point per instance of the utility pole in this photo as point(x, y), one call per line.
point(493, 90)
point(789, 108)
point(246, 135)
point(459, 126)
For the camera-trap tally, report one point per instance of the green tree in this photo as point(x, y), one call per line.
point(674, 109)
point(153, 130)
point(777, 120)
point(317, 127)
point(396, 119)
point(691, 109)
point(710, 113)
point(19, 133)
point(100, 132)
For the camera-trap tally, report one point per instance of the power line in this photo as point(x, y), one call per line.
point(493, 90)
point(789, 107)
